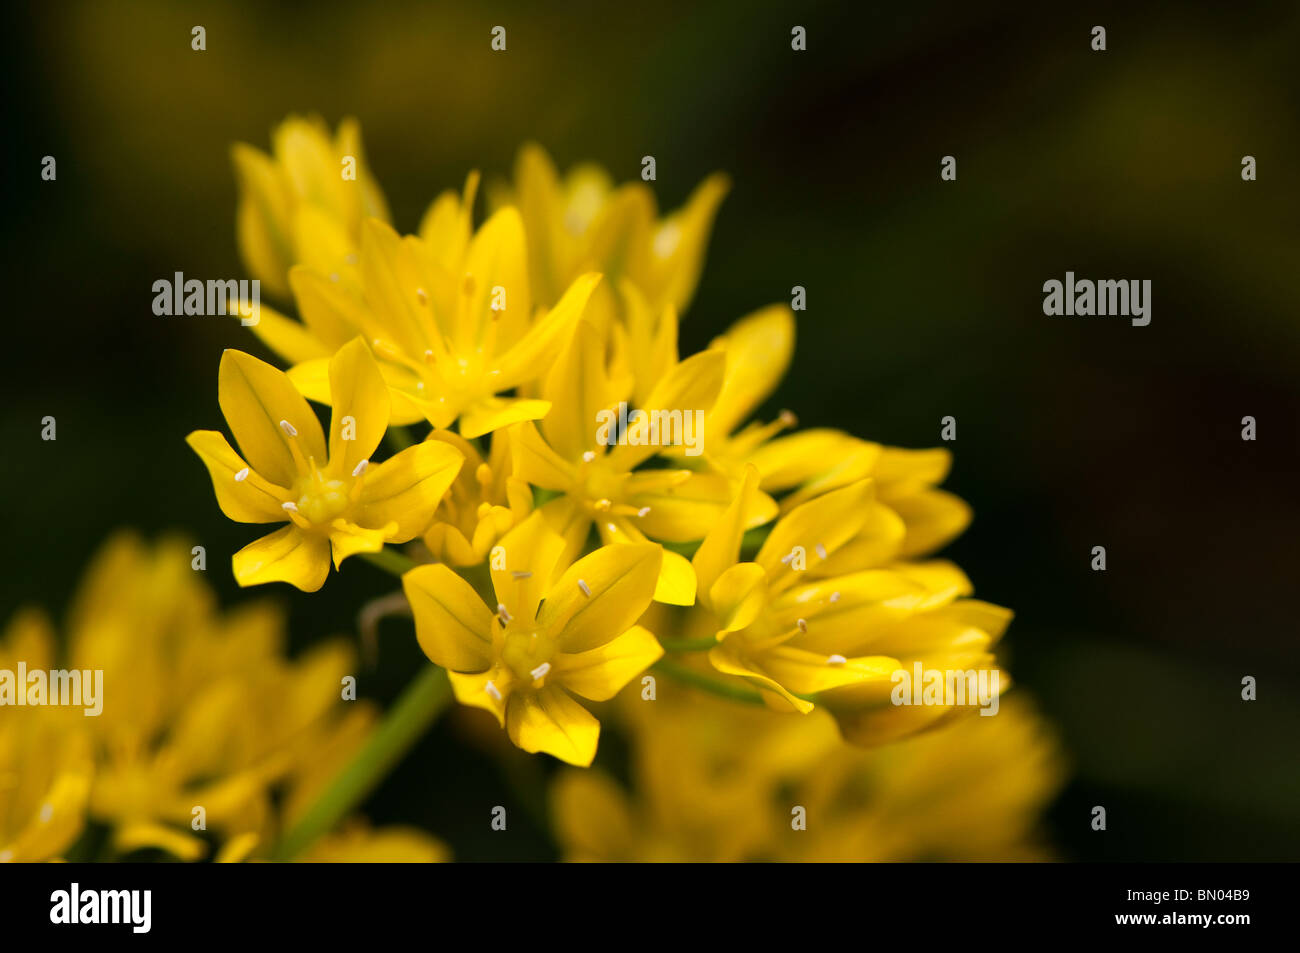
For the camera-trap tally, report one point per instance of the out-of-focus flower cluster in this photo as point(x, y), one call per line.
point(208, 742)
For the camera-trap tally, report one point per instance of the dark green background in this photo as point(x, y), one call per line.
point(924, 301)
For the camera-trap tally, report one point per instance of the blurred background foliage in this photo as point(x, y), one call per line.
point(924, 300)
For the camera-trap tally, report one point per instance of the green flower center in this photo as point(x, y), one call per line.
point(321, 501)
point(526, 652)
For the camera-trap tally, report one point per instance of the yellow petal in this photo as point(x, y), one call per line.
point(592, 818)
point(348, 539)
point(721, 546)
point(262, 217)
point(360, 400)
point(140, 835)
point(728, 658)
point(551, 721)
point(538, 347)
point(334, 316)
point(537, 463)
point(827, 522)
point(679, 242)
point(485, 416)
point(249, 499)
point(676, 583)
point(452, 625)
point(688, 389)
point(807, 673)
point(579, 388)
point(523, 565)
point(600, 673)
point(758, 349)
point(471, 689)
point(238, 848)
point(496, 260)
point(738, 595)
point(287, 555)
point(933, 519)
point(406, 488)
point(682, 512)
point(601, 595)
point(255, 398)
point(291, 340)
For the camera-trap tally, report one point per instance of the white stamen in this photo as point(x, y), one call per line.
point(588, 456)
point(492, 690)
point(47, 812)
point(786, 559)
point(540, 672)
point(821, 550)
point(836, 660)
point(586, 589)
point(334, 276)
point(290, 505)
point(802, 624)
point(644, 511)
point(503, 612)
point(421, 296)
point(360, 468)
point(521, 574)
point(835, 596)
point(288, 428)
point(350, 259)
point(242, 475)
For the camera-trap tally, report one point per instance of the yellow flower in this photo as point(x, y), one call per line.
point(521, 662)
point(302, 204)
point(599, 484)
point(485, 501)
point(583, 223)
point(357, 843)
point(337, 501)
point(716, 782)
point(971, 792)
point(795, 631)
point(450, 337)
point(45, 765)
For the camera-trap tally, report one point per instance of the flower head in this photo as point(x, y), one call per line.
point(545, 639)
point(305, 202)
point(334, 500)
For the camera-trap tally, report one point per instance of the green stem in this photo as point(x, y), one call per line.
point(390, 561)
point(712, 685)
point(417, 708)
point(688, 645)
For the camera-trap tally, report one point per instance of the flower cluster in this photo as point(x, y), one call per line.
point(554, 560)
point(208, 734)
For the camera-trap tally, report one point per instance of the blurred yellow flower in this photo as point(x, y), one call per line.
point(584, 223)
point(545, 639)
point(305, 202)
point(45, 764)
point(484, 502)
point(334, 501)
point(715, 782)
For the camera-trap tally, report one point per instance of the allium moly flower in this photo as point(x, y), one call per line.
point(547, 639)
point(451, 341)
point(599, 484)
point(970, 792)
point(584, 223)
point(45, 764)
point(795, 632)
point(485, 501)
point(717, 782)
point(334, 500)
point(297, 205)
